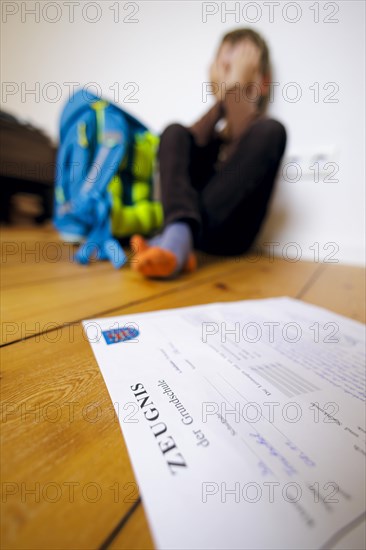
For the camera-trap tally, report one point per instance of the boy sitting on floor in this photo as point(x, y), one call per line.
point(215, 185)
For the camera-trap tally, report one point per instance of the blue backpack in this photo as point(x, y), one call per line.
point(104, 178)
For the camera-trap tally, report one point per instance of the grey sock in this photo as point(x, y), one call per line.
point(176, 237)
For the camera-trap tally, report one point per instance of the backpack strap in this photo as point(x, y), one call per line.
point(93, 203)
point(101, 244)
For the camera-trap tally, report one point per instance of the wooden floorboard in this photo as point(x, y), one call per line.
point(341, 289)
point(136, 529)
point(69, 292)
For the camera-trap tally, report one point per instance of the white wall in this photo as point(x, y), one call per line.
point(166, 54)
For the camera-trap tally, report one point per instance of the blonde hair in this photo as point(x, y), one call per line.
point(264, 63)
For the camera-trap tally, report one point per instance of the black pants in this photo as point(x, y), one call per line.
point(224, 205)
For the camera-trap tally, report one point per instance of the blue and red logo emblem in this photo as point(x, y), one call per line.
point(117, 335)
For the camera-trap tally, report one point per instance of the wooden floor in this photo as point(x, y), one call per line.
point(67, 480)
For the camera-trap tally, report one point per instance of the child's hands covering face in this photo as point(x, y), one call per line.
point(235, 64)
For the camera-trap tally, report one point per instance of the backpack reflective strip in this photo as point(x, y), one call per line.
point(95, 169)
point(59, 195)
point(82, 137)
point(99, 107)
point(110, 140)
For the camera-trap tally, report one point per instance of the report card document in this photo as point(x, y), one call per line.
point(244, 421)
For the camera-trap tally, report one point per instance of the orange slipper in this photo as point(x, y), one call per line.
point(153, 261)
point(138, 244)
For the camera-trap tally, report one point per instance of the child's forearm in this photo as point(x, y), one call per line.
point(239, 111)
point(203, 129)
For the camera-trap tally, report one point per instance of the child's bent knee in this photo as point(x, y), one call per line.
point(174, 130)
